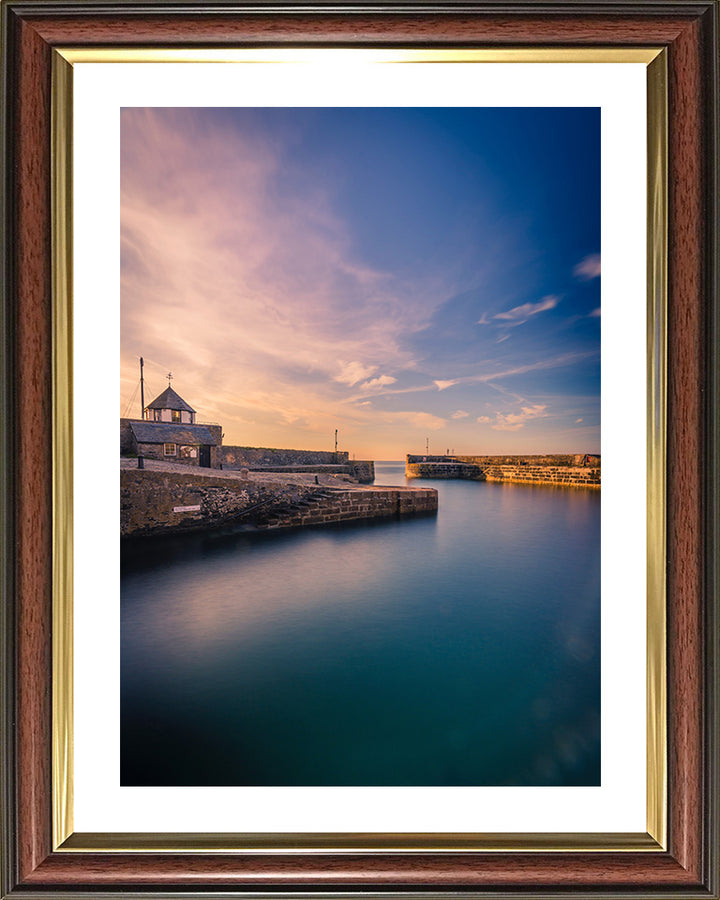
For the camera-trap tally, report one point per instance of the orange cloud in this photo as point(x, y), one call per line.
point(588, 268)
point(514, 421)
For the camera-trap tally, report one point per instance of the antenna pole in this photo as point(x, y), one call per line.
point(336, 442)
point(142, 390)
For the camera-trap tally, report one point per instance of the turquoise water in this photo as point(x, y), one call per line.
point(457, 650)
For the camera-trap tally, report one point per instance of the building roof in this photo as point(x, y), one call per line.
point(166, 433)
point(169, 399)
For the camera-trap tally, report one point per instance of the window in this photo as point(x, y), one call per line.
point(176, 415)
point(170, 449)
point(188, 452)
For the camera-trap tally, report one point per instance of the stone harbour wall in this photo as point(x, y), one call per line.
point(162, 502)
point(444, 470)
point(563, 471)
point(568, 460)
point(358, 505)
point(155, 501)
point(250, 457)
point(265, 459)
point(563, 476)
point(362, 471)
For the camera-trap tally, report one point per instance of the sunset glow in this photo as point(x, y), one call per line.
point(395, 274)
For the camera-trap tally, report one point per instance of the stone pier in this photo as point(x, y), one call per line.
point(167, 498)
point(582, 470)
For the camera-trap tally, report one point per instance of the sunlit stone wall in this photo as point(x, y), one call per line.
point(156, 502)
point(250, 457)
point(562, 471)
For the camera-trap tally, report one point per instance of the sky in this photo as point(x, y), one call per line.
point(401, 275)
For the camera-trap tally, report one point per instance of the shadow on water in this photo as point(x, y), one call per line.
point(158, 551)
point(457, 650)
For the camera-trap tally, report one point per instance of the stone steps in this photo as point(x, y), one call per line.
point(288, 514)
point(348, 506)
point(155, 502)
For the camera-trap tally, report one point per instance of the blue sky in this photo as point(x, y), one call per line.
point(397, 274)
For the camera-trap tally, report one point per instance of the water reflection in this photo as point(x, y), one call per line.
point(456, 650)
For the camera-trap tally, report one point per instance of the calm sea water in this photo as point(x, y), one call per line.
point(457, 650)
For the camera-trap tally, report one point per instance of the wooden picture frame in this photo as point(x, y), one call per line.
point(688, 33)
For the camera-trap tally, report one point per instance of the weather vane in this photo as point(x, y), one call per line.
point(169, 378)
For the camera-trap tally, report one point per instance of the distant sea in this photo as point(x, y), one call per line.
point(457, 650)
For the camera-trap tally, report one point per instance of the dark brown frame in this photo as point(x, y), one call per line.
point(689, 31)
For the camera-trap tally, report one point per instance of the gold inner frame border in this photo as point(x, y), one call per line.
point(65, 839)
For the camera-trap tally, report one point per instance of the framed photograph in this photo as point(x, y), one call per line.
point(372, 626)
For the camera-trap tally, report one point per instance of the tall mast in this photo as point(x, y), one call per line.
point(142, 391)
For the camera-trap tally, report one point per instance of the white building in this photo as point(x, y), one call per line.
point(169, 407)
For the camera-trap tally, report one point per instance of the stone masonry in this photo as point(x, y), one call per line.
point(165, 499)
point(562, 471)
point(269, 459)
point(237, 457)
point(129, 448)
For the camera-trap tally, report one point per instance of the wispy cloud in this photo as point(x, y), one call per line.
point(254, 299)
point(490, 378)
point(564, 359)
point(379, 382)
point(518, 315)
point(514, 421)
point(596, 312)
point(253, 272)
point(352, 372)
point(503, 390)
point(588, 268)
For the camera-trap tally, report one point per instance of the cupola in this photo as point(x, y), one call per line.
point(169, 407)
